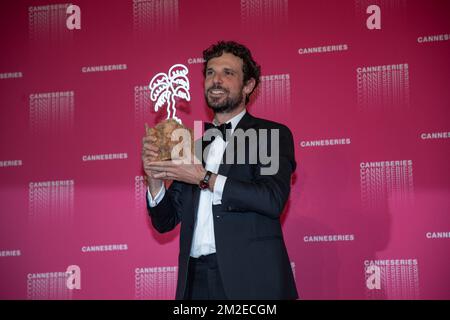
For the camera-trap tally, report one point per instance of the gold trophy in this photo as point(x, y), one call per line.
point(163, 134)
point(164, 88)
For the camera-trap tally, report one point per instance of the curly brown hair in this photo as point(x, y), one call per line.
point(249, 67)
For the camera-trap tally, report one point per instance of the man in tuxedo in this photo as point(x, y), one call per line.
point(231, 241)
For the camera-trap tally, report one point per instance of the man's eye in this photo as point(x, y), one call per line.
point(208, 73)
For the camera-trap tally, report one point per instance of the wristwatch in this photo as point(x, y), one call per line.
point(204, 184)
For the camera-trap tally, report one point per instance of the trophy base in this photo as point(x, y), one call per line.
point(163, 133)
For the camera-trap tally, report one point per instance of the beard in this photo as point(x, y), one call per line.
point(227, 105)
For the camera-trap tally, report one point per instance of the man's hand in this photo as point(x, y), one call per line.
point(150, 153)
point(177, 170)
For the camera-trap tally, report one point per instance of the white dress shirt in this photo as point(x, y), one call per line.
point(204, 242)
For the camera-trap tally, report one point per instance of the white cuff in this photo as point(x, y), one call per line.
point(158, 198)
point(218, 189)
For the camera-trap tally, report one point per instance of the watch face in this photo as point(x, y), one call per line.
point(203, 185)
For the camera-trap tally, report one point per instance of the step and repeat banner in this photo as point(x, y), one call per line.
point(363, 85)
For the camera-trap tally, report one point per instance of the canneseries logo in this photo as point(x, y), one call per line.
point(104, 68)
point(433, 38)
point(51, 112)
point(383, 180)
point(257, 15)
point(11, 75)
point(324, 142)
point(104, 248)
point(104, 157)
point(373, 22)
point(51, 22)
point(157, 283)
point(195, 60)
point(10, 253)
point(392, 279)
point(54, 285)
point(437, 235)
point(435, 135)
point(10, 163)
point(273, 90)
point(51, 201)
point(310, 239)
point(323, 49)
point(383, 86)
point(155, 15)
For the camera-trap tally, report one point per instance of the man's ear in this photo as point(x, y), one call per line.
point(249, 86)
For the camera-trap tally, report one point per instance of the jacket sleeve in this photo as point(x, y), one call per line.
point(167, 214)
point(266, 194)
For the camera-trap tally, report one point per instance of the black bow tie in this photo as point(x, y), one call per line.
point(222, 129)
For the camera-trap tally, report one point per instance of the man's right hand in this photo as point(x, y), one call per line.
point(150, 153)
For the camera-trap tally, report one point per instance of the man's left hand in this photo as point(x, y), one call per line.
point(177, 170)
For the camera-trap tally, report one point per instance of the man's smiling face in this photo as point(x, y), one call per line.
point(224, 83)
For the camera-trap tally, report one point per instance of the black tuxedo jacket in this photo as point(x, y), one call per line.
point(251, 253)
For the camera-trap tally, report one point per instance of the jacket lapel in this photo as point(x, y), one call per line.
point(245, 123)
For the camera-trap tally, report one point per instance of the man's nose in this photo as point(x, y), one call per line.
point(217, 79)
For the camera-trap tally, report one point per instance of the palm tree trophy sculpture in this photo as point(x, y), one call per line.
point(164, 88)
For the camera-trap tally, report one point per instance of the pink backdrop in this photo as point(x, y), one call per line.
point(368, 215)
